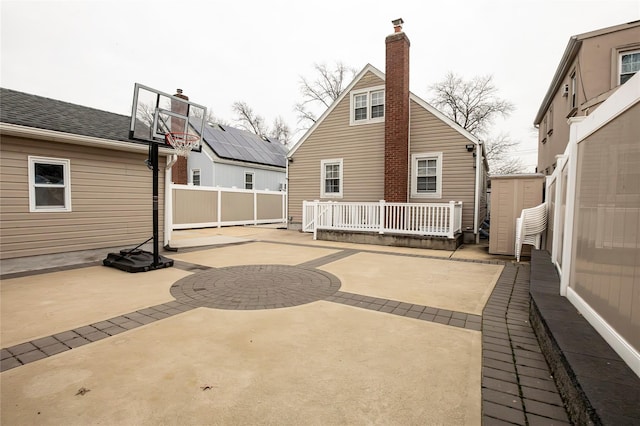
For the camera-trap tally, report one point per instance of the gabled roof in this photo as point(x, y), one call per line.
point(424, 104)
point(39, 112)
point(230, 143)
point(570, 53)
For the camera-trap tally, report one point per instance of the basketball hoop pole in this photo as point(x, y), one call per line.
point(154, 164)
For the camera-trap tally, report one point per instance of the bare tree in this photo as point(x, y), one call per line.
point(474, 104)
point(281, 131)
point(321, 92)
point(211, 118)
point(498, 153)
point(249, 120)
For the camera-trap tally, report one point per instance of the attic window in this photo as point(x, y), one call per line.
point(367, 105)
point(629, 65)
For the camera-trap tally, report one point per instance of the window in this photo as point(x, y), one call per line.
point(249, 180)
point(331, 178)
point(49, 185)
point(629, 65)
point(195, 177)
point(426, 175)
point(367, 106)
point(550, 120)
point(574, 88)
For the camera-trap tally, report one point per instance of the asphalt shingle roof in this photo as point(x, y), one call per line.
point(44, 113)
point(51, 114)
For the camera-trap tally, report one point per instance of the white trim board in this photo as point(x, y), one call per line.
point(608, 333)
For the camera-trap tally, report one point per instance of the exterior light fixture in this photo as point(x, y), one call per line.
point(469, 147)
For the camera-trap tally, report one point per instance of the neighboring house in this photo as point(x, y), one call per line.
point(234, 158)
point(593, 66)
point(71, 178)
point(378, 141)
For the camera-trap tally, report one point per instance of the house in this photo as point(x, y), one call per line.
point(234, 158)
point(379, 141)
point(72, 179)
point(593, 66)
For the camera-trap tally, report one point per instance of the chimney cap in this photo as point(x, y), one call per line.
point(179, 91)
point(397, 24)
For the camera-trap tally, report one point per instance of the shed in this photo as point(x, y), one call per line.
point(509, 195)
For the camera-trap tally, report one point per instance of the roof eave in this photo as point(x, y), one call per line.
point(56, 136)
point(573, 47)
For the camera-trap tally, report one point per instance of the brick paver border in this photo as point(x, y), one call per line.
point(517, 385)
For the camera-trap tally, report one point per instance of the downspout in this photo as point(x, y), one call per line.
point(477, 192)
point(168, 199)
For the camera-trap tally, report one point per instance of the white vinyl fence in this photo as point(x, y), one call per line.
point(427, 219)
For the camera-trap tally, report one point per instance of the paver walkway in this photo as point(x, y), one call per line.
point(517, 387)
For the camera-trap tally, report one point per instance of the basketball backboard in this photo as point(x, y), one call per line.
point(154, 114)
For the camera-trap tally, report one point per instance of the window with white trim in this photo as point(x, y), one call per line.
point(629, 65)
point(426, 175)
point(331, 178)
point(367, 105)
point(249, 180)
point(195, 177)
point(49, 185)
point(574, 91)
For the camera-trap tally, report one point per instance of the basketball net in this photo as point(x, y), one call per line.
point(182, 143)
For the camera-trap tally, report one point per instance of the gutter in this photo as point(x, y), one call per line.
point(52, 135)
point(476, 212)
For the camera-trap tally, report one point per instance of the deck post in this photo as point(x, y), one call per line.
point(452, 218)
point(381, 216)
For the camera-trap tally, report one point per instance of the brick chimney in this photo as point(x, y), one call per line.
point(396, 123)
point(179, 170)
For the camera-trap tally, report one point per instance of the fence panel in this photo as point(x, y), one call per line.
point(203, 207)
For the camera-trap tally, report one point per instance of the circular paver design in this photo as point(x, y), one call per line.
point(255, 287)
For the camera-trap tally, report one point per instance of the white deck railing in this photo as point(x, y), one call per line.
point(427, 219)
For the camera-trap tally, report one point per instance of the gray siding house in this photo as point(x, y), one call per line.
point(234, 158)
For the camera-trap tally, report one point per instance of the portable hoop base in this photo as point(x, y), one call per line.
point(140, 260)
point(136, 261)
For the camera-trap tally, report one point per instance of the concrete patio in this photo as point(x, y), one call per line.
point(256, 325)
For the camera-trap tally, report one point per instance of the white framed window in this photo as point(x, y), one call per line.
point(574, 91)
point(249, 180)
point(49, 184)
point(367, 105)
point(426, 175)
point(195, 177)
point(628, 65)
point(331, 178)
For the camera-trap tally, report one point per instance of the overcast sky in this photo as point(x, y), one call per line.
point(92, 52)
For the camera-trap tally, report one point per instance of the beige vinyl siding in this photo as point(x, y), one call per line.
point(361, 148)
point(111, 200)
point(430, 134)
point(605, 264)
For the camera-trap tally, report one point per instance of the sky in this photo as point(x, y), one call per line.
point(93, 52)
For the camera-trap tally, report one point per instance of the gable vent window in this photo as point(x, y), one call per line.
point(367, 106)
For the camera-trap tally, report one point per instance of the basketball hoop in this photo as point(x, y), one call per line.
point(183, 143)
